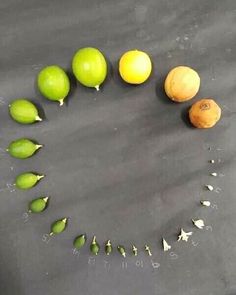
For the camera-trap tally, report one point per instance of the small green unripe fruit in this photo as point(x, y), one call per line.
point(89, 67)
point(38, 205)
point(58, 226)
point(108, 247)
point(80, 241)
point(54, 83)
point(22, 148)
point(94, 247)
point(23, 111)
point(121, 250)
point(27, 180)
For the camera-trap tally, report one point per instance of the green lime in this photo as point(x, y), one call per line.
point(108, 247)
point(54, 83)
point(38, 205)
point(23, 111)
point(89, 67)
point(22, 148)
point(121, 250)
point(80, 241)
point(58, 226)
point(94, 247)
point(27, 180)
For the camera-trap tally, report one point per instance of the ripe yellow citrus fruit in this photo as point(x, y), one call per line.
point(135, 66)
point(205, 113)
point(182, 83)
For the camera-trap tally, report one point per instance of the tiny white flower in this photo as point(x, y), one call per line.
point(166, 246)
point(206, 203)
point(198, 223)
point(184, 236)
point(209, 187)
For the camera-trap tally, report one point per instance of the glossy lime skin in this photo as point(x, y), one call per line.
point(22, 148)
point(79, 242)
point(58, 227)
point(23, 111)
point(89, 67)
point(53, 83)
point(37, 205)
point(26, 180)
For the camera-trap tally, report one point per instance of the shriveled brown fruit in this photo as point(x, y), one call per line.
point(182, 83)
point(205, 113)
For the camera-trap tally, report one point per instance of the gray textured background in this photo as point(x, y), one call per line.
point(122, 163)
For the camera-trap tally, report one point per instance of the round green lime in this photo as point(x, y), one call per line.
point(23, 111)
point(89, 67)
point(53, 83)
point(27, 180)
point(22, 148)
point(58, 226)
point(80, 241)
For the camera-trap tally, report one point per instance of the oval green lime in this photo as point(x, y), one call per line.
point(58, 226)
point(22, 148)
point(94, 246)
point(38, 205)
point(89, 67)
point(27, 180)
point(53, 83)
point(23, 111)
point(80, 241)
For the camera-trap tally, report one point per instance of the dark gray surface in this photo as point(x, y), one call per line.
point(121, 163)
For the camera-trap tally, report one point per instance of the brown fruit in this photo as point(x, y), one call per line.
point(182, 83)
point(205, 113)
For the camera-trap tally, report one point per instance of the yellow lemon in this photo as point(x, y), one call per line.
point(135, 66)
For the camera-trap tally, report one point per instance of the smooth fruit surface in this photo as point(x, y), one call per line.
point(23, 111)
point(182, 83)
point(27, 180)
point(22, 148)
point(135, 66)
point(80, 241)
point(58, 226)
point(204, 113)
point(53, 83)
point(89, 67)
point(38, 205)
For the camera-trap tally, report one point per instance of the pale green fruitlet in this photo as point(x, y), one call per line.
point(121, 250)
point(54, 83)
point(80, 241)
point(89, 67)
point(22, 148)
point(27, 180)
point(38, 205)
point(23, 111)
point(58, 226)
point(108, 247)
point(94, 246)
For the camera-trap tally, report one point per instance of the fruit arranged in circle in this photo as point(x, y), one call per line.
point(80, 241)
point(23, 111)
point(38, 205)
point(182, 83)
point(58, 226)
point(94, 246)
point(89, 67)
point(205, 113)
point(22, 148)
point(135, 66)
point(53, 83)
point(27, 180)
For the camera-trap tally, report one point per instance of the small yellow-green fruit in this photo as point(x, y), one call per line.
point(121, 250)
point(58, 226)
point(94, 247)
point(54, 83)
point(80, 241)
point(27, 180)
point(22, 148)
point(108, 247)
point(23, 111)
point(38, 205)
